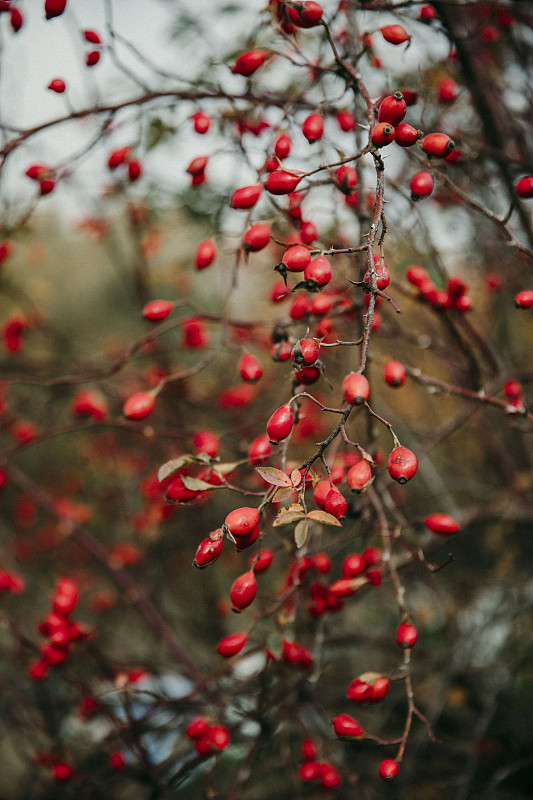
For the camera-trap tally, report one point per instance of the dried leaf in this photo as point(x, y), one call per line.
point(195, 484)
point(226, 467)
point(300, 532)
point(296, 477)
point(322, 516)
point(274, 476)
point(170, 467)
point(287, 518)
point(283, 493)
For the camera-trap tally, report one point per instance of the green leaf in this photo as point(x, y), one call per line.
point(274, 476)
point(286, 517)
point(195, 484)
point(300, 532)
point(170, 467)
point(323, 517)
point(157, 132)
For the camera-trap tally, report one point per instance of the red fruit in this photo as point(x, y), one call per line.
point(392, 109)
point(523, 187)
point(335, 503)
point(320, 492)
point(383, 134)
point(177, 492)
point(307, 375)
point(219, 737)
point(282, 147)
point(263, 561)
point(16, 19)
point(243, 542)
point(256, 238)
point(309, 771)
point(197, 165)
point(355, 388)
point(296, 258)
point(359, 476)
point(117, 157)
point(306, 14)
point(442, 524)
point(417, 275)
point(318, 271)
point(388, 769)
point(247, 63)
point(38, 172)
point(54, 8)
point(447, 90)
point(259, 449)
point(156, 310)
point(305, 352)
point(406, 635)
point(309, 750)
point(406, 135)
point(280, 424)
point(208, 551)
point(206, 253)
point(354, 564)
point(206, 442)
point(46, 186)
point(242, 521)
point(345, 725)
point(427, 11)
point(195, 333)
point(513, 390)
point(57, 85)
point(250, 368)
point(139, 405)
point(281, 182)
point(203, 744)
point(402, 464)
point(313, 127)
point(230, 645)
point(243, 591)
point(197, 728)
point(246, 196)
point(346, 178)
point(92, 58)
point(421, 185)
point(394, 373)
point(524, 299)
point(92, 37)
point(394, 34)
point(329, 777)
point(117, 760)
point(61, 772)
point(346, 121)
point(382, 274)
point(201, 122)
point(437, 145)
point(135, 170)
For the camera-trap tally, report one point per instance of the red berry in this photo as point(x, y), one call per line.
point(16, 20)
point(359, 476)
point(329, 777)
point(54, 8)
point(313, 127)
point(139, 405)
point(306, 14)
point(388, 769)
point(382, 274)
point(208, 551)
point(318, 271)
point(177, 492)
point(402, 464)
point(296, 258)
point(197, 165)
point(355, 388)
point(135, 170)
point(206, 253)
point(280, 424)
point(421, 185)
point(46, 186)
point(305, 352)
point(346, 178)
point(447, 89)
point(437, 145)
point(281, 182)
point(92, 58)
point(206, 442)
point(524, 299)
point(263, 561)
point(156, 310)
point(201, 122)
point(309, 750)
point(259, 449)
point(416, 275)
point(513, 390)
point(219, 737)
point(250, 368)
point(524, 187)
point(256, 238)
point(243, 591)
point(394, 34)
point(392, 109)
point(354, 564)
point(383, 134)
point(246, 196)
point(346, 121)
point(92, 37)
point(335, 503)
point(427, 11)
point(230, 645)
point(406, 135)
point(62, 772)
point(442, 524)
point(57, 85)
point(195, 333)
point(394, 373)
point(197, 728)
point(345, 725)
point(242, 521)
point(247, 63)
point(282, 147)
point(117, 760)
point(406, 635)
